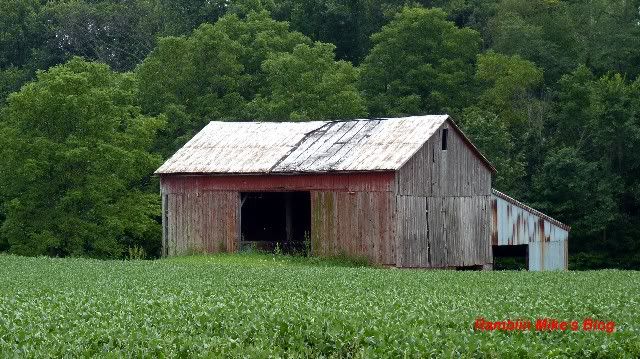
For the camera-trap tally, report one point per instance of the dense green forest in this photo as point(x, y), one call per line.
point(95, 94)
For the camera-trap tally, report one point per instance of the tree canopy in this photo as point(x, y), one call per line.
point(547, 89)
point(75, 161)
point(419, 63)
point(244, 68)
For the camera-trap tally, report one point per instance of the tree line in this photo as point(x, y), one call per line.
point(94, 94)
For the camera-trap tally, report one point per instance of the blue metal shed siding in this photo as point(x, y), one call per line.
point(515, 223)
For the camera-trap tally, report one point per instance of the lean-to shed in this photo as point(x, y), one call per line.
point(405, 192)
point(515, 226)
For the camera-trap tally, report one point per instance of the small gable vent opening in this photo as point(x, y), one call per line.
point(445, 132)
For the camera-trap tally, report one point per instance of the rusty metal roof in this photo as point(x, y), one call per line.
point(305, 147)
point(533, 211)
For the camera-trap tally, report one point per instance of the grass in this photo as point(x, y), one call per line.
point(265, 259)
point(278, 306)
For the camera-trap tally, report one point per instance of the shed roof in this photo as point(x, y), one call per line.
point(363, 145)
point(533, 211)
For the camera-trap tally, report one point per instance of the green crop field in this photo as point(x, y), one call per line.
point(264, 306)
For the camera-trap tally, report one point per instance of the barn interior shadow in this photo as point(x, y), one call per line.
point(275, 219)
point(512, 257)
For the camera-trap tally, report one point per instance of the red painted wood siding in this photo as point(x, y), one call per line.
point(352, 214)
point(370, 182)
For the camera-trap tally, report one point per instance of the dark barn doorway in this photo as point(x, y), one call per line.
point(270, 220)
point(511, 257)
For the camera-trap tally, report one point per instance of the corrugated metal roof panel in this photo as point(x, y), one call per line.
point(303, 147)
point(533, 211)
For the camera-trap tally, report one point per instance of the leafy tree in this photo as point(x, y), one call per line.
point(258, 37)
point(350, 24)
point(578, 191)
point(308, 84)
point(608, 35)
point(118, 33)
point(508, 83)
point(571, 109)
point(347, 24)
point(503, 115)
point(181, 17)
point(74, 164)
point(239, 69)
point(420, 62)
point(590, 173)
point(540, 31)
point(19, 31)
point(192, 80)
point(20, 34)
point(510, 89)
point(492, 137)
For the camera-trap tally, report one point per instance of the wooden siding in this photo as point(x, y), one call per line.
point(370, 182)
point(443, 205)
point(199, 222)
point(442, 232)
point(457, 171)
point(351, 214)
point(353, 223)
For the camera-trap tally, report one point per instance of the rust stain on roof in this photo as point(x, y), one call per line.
point(306, 147)
point(530, 210)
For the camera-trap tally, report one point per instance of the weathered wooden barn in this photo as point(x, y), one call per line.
point(405, 192)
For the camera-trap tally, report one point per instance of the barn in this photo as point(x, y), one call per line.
point(404, 192)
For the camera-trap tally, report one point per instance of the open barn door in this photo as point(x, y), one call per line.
point(270, 220)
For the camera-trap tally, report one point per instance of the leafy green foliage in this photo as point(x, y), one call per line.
point(420, 63)
point(508, 82)
point(540, 31)
point(491, 135)
point(239, 69)
point(547, 89)
point(74, 165)
point(307, 84)
point(590, 173)
point(192, 80)
point(18, 30)
point(503, 116)
point(258, 306)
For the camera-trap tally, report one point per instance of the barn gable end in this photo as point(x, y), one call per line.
point(443, 195)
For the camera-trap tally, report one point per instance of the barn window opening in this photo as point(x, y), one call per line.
point(445, 133)
point(511, 257)
point(270, 220)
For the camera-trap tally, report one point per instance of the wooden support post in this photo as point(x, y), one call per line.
point(288, 204)
point(165, 224)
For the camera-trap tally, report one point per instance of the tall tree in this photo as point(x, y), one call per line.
point(74, 163)
point(118, 33)
point(510, 87)
point(308, 84)
point(420, 62)
point(540, 31)
point(490, 133)
point(590, 172)
point(251, 68)
point(21, 33)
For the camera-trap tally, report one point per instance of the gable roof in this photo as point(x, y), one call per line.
point(306, 147)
